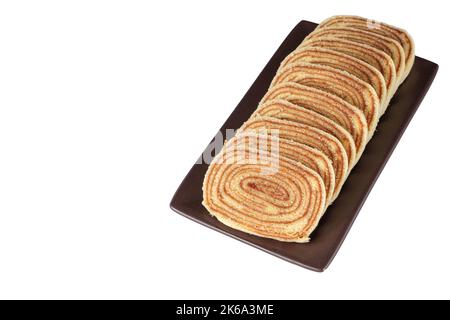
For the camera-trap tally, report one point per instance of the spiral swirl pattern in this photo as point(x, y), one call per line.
point(342, 84)
point(310, 136)
point(374, 57)
point(398, 34)
point(285, 206)
point(334, 108)
point(288, 162)
point(344, 62)
point(390, 46)
point(282, 109)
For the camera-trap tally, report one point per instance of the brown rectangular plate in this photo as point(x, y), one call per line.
point(337, 221)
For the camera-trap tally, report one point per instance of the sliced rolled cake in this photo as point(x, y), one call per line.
point(381, 28)
point(341, 61)
point(285, 205)
point(310, 136)
point(390, 46)
point(326, 104)
point(308, 156)
point(340, 83)
point(289, 161)
point(376, 58)
point(283, 109)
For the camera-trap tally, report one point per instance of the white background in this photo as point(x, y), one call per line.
point(105, 106)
